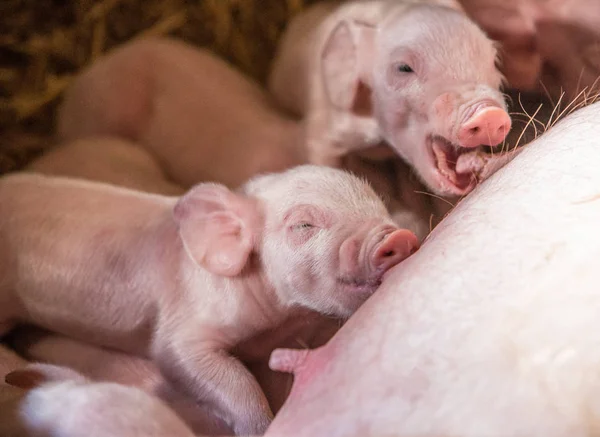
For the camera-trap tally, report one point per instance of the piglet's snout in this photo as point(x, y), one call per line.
point(393, 248)
point(488, 126)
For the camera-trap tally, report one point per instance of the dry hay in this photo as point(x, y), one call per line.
point(44, 43)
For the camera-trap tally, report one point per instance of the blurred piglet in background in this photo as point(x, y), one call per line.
point(58, 401)
point(548, 46)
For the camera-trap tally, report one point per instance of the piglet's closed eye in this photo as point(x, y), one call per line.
point(218, 227)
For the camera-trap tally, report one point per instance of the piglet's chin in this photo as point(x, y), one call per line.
point(358, 287)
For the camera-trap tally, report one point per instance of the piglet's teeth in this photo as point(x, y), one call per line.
point(442, 163)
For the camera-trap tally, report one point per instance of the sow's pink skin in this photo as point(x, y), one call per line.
point(420, 76)
point(60, 402)
point(505, 347)
point(184, 280)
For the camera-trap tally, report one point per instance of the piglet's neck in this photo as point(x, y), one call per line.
point(258, 295)
point(249, 299)
point(159, 251)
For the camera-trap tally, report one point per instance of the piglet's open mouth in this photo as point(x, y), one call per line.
point(358, 285)
point(460, 167)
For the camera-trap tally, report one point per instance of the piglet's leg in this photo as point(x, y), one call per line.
point(216, 377)
point(329, 141)
point(303, 363)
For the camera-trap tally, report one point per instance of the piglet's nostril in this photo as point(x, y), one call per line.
point(488, 126)
point(397, 246)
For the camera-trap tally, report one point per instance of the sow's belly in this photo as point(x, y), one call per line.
point(491, 328)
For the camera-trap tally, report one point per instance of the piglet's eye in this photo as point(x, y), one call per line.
point(303, 225)
point(404, 68)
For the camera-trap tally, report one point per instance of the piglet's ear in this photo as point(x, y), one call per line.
point(25, 378)
point(217, 227)
point(35, 374)
point(346, 64)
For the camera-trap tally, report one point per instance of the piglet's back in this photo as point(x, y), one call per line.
point(41, 214)
point(58, 235)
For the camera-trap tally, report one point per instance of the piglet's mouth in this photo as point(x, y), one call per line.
point(460, 167)
point(358, 285)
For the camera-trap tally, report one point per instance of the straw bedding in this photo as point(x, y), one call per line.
point(45, 43)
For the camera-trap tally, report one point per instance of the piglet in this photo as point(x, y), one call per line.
point(184, 280)
point(106, 159)
point(60, 402)
point(10, 397)
point(417, 75)
point(199, 117)
point(100, 364)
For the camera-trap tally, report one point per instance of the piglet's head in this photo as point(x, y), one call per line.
point(327, 239)
point(428, 75)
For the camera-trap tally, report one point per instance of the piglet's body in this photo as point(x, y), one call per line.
point(60, 402)
point(417, 75)
point(200, 118)
point(184, 280)
point(106, 159)
point(99, 364)
point(10, 397)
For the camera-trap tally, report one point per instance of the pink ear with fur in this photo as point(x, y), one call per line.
point(217, 227)
point(345, 62)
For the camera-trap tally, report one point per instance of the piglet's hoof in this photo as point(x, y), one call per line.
point(255, 426)
point(287, 360)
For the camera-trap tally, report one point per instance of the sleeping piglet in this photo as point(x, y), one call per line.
point(417, 75)
point(108, 365)
point(184, 280)
point(10, 397)
point(60, 402)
